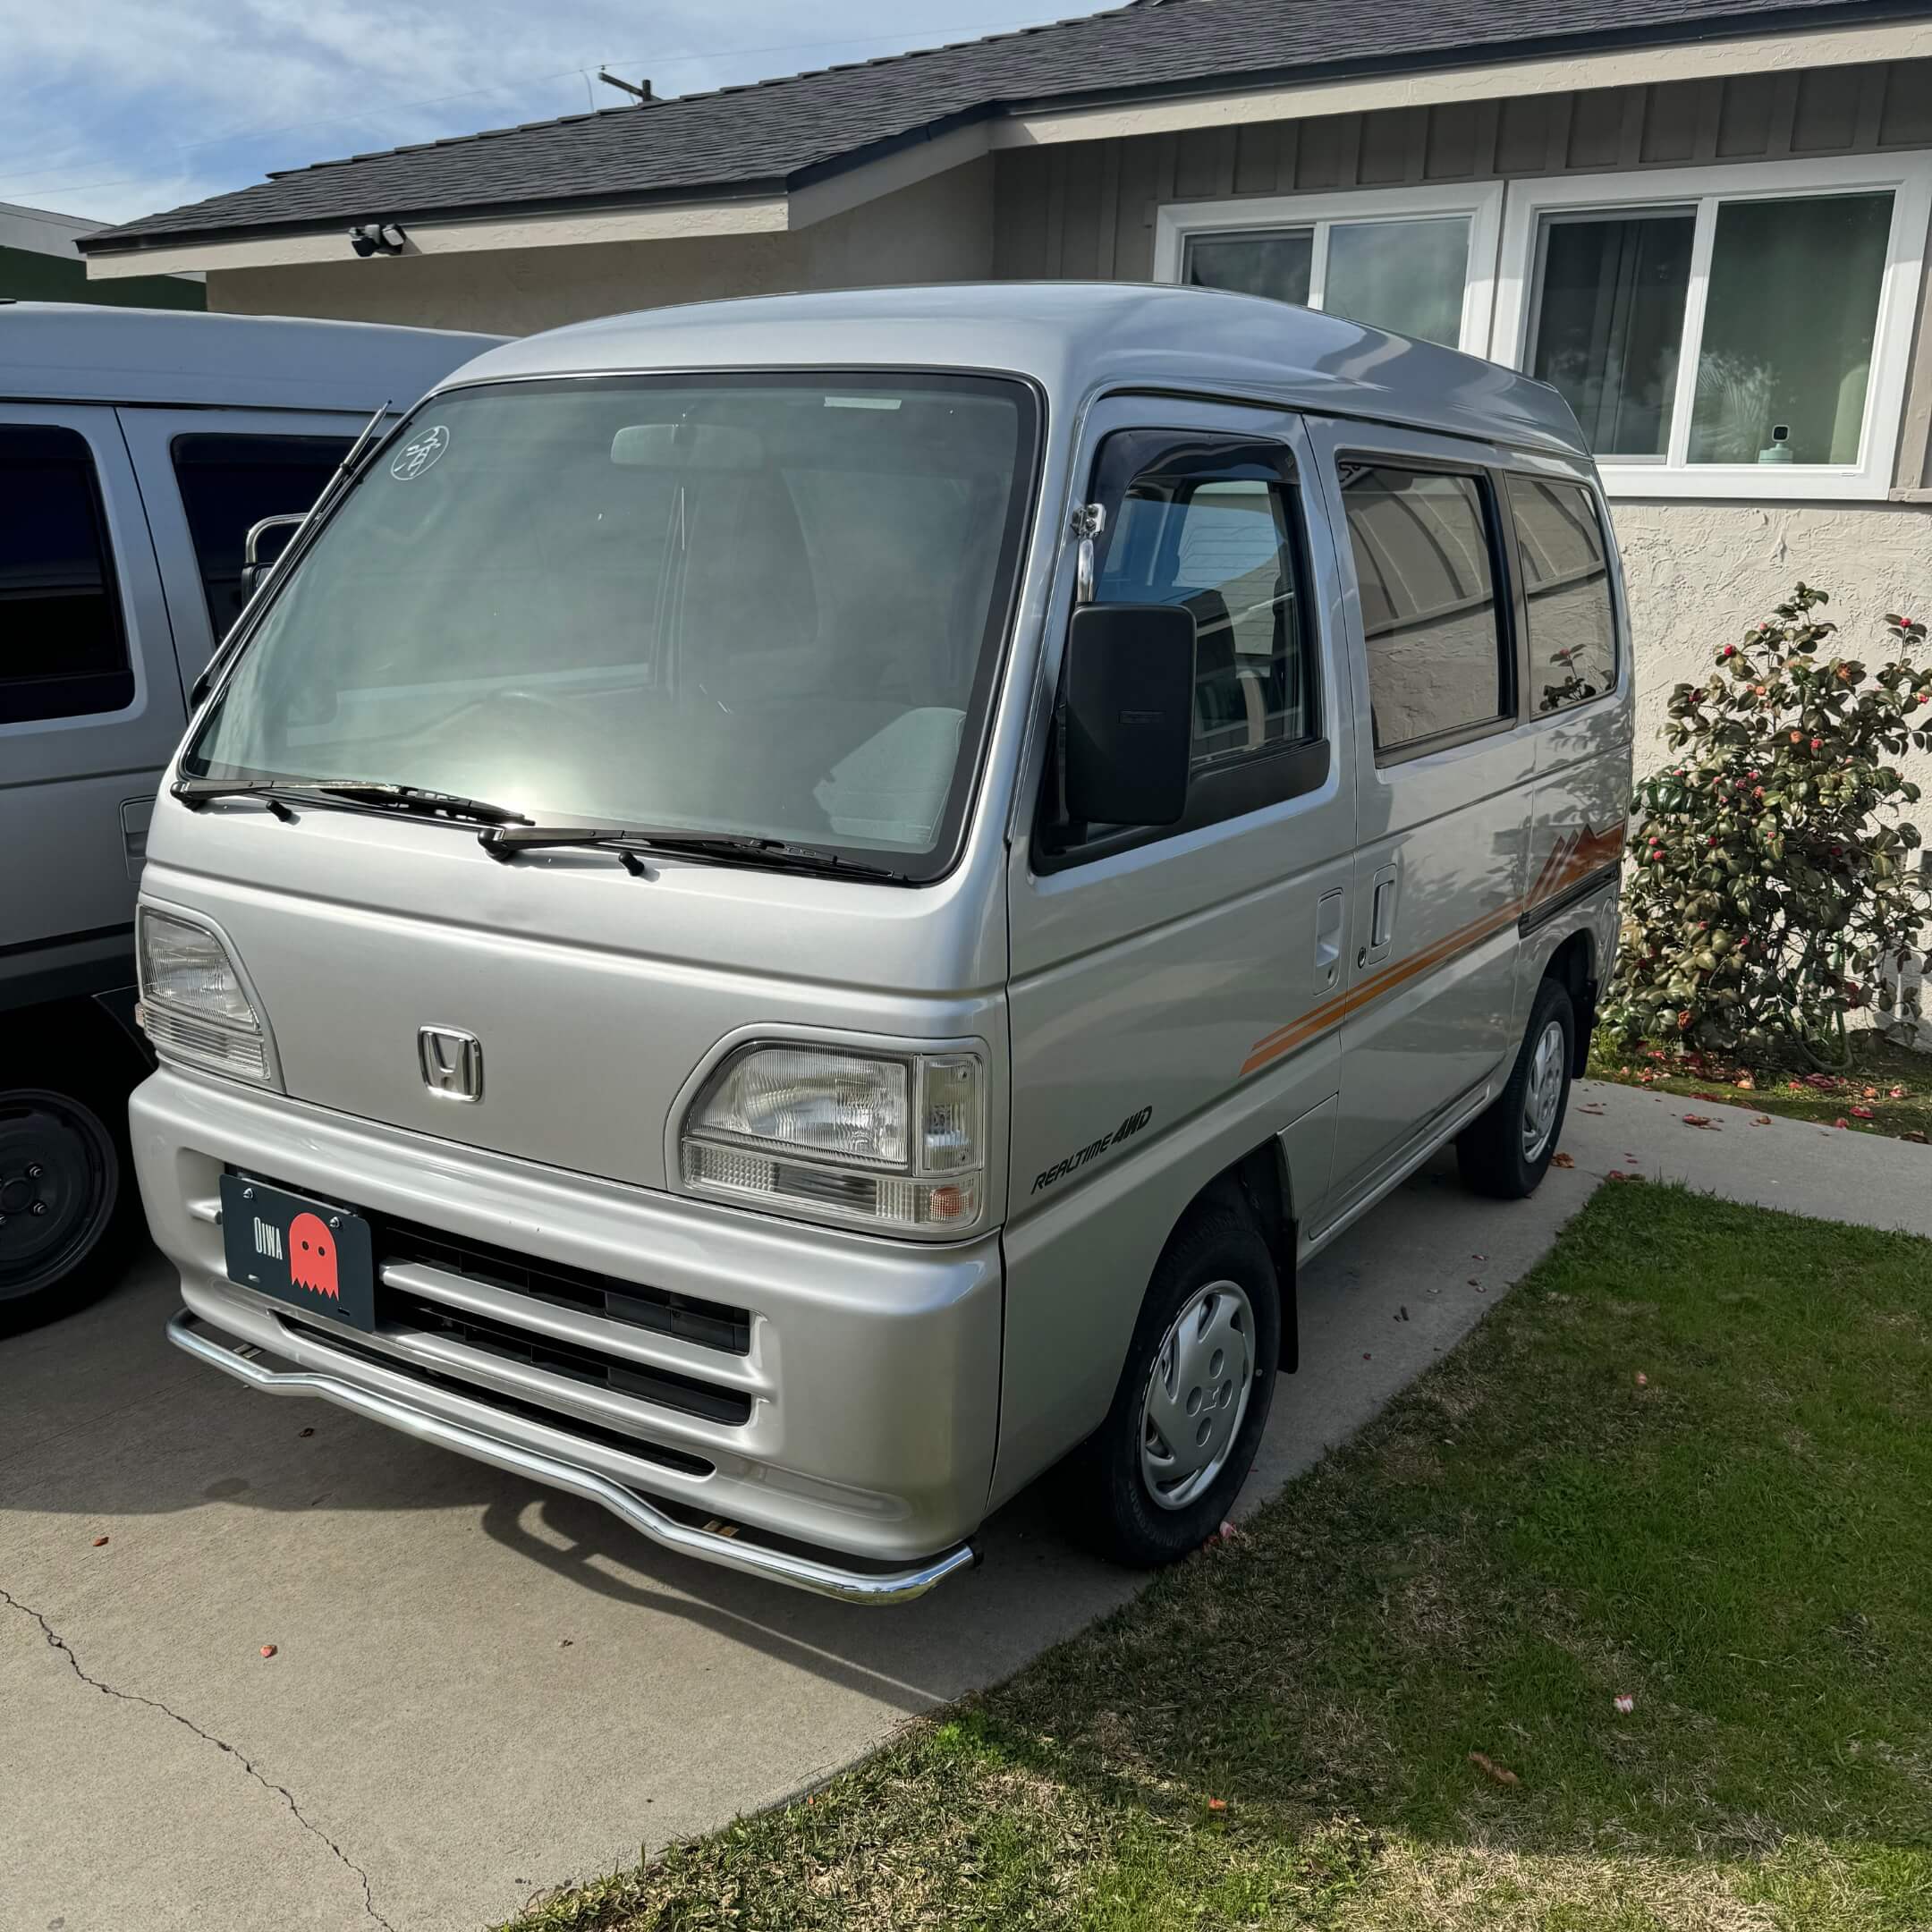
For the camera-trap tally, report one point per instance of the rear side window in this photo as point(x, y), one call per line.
point(1566, 585)
point(63, 651)
point(1425, 567)
point(1206, 523)
point(228, 485)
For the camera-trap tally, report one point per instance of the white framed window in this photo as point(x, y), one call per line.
point(1740, 330)
point(1420, 261)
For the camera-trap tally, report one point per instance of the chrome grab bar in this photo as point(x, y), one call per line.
point(777, 1566)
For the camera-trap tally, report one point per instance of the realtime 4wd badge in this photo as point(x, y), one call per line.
point(1126, 1130)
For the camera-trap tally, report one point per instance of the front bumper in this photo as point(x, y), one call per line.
point(241, 1359)
point(846, 1437)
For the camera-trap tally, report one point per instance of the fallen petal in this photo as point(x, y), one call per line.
point(1217, 1804)
point(1626, 1704)
point(1561, 1160)
point(268, 1650)
point(99, 1542)
point(1489, 1767)
point(1643, 1381)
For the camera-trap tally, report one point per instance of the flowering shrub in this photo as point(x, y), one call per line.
point(1769, 878)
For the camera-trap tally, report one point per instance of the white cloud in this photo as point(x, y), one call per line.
point(117, 108)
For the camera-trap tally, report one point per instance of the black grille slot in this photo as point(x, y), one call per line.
point(709, 1323)
point(506, 1340)
point(332, 1334)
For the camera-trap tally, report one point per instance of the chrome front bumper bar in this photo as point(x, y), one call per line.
point(237, 1359)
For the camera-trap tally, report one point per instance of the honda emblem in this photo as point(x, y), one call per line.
point(452, 1063)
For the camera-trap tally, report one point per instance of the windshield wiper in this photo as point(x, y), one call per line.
point(414, 799)
point(504, 842)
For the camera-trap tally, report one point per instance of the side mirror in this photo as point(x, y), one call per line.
point(1130, 713)
point(255, 572)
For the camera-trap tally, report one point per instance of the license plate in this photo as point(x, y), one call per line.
point(308, 1253)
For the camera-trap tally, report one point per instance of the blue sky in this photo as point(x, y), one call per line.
point(121, 108)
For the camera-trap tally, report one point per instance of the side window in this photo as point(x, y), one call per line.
point(1437, 648)
point(228, 485)
point(1566, 584)
point(1206, 523)
point(63, 649)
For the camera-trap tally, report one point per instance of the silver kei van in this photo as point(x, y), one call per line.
point(796, 911)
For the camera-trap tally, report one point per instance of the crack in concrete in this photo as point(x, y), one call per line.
point(57, 1642)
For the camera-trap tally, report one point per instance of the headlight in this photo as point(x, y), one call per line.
point(894, 1144)
point(193, 1005)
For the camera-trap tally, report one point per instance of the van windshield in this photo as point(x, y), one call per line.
point(761, 606)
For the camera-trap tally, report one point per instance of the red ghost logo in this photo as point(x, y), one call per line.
point(311, 1255)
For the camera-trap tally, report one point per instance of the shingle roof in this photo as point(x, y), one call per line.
point(774, 134)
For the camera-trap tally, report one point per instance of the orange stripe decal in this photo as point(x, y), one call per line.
point(1571, 858)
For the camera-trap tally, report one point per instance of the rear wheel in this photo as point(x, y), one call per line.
point(68, 1211)
point(1159, 1475)
point(1507, 1150)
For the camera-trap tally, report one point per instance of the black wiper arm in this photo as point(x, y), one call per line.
point(413, 799)
point(504, 842)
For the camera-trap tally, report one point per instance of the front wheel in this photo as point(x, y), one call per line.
point(1506, 1150)
point(67, 1204)
point(1159, 1475)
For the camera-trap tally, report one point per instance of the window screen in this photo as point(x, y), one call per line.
point(228, 485)
point(1429, 615)
point(1206, 523)
point(1566, 581)
point(62, 647)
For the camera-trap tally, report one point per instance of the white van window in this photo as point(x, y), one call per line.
point(1566, 584)
point(1430, 618)
point(63, 651)
point(1206, 524)
point(765, 606)
point(228, 484)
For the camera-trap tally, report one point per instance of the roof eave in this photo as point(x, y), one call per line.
point(1032, 118)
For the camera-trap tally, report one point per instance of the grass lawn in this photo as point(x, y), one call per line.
point(1893, 1084)
point(1688, 1461)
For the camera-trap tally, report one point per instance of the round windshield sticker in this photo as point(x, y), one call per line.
point(418, 454)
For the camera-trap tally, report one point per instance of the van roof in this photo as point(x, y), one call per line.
point(1073, 337)
point(78, 352)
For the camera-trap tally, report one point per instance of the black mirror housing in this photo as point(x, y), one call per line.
point(1130, 713)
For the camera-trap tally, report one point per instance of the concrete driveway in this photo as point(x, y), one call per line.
point(482, 1688)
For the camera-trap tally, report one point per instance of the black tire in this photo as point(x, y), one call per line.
point(1492, 1151)
point(1108, 1500)
point(70, 1214)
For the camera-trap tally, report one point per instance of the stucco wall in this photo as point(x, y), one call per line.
point(1698, 573)
point(939, 230)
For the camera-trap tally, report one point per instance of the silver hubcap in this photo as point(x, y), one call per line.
point(1543, 1092)
point(1196, 1394)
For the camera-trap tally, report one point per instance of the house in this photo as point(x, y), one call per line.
point(1705, 221)
point(39, 262)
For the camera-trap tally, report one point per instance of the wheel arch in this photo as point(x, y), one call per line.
point(78, 1041)
point(1261, 1186)
point(1573, 965)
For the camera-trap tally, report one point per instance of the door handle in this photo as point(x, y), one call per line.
point(1381, 915)
point(1328, 935)
point(135, 814)
point(1382, 919)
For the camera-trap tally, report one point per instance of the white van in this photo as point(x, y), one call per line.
point(796, 910)
point(137, 448)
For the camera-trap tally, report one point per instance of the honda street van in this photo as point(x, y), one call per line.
point(791, 913)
